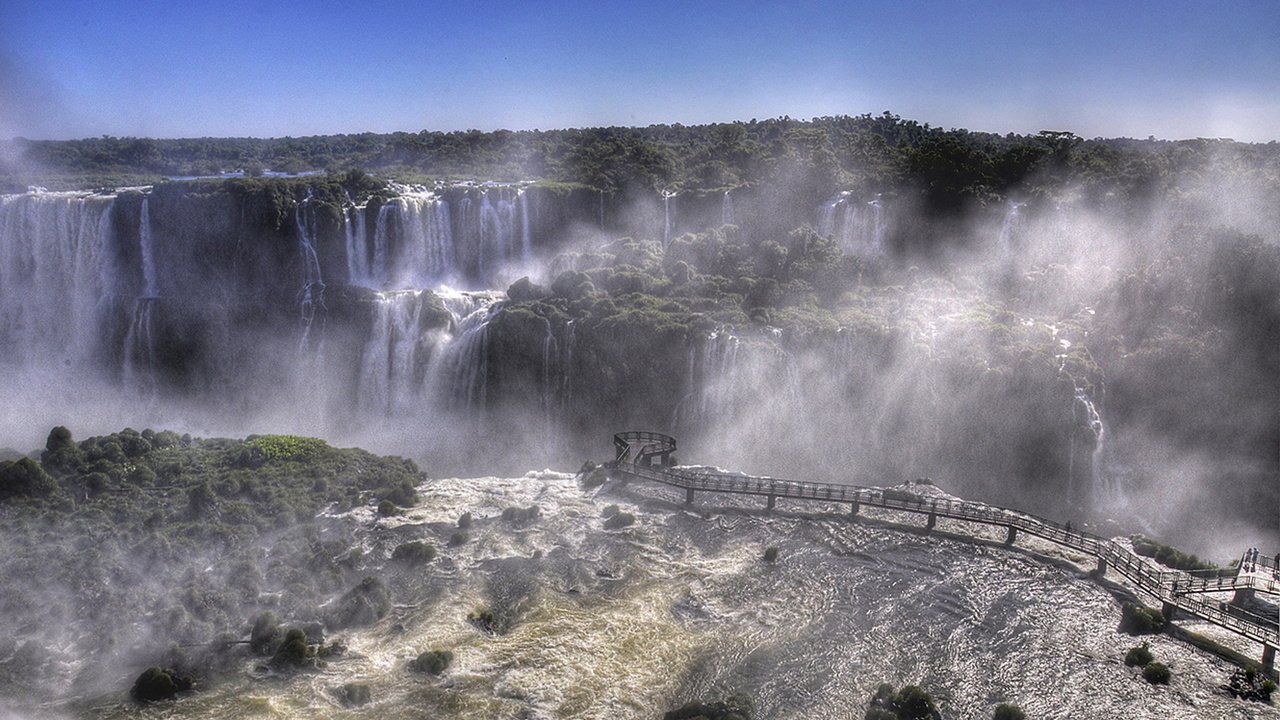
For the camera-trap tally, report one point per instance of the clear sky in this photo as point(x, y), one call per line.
point(174, 68)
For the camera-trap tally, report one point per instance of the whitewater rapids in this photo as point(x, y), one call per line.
point(680, 606)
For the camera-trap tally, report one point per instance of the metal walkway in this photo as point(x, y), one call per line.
point(647, 456)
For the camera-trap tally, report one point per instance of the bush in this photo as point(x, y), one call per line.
point(386, 508)
point(25, 478)
point(157, 683)
point(485, 619)
point(355, 694)
point(619, 520)
point(1138, 656)
point(293, 651)
point(265, 634)
point(1156, 673)
point(1248, 684)
point(1168, 555)
point(458, 538)
point(735, 707)
point(432, 662)
point(520, 515)
point(909, 703)
point(464, 521)
point(1005, 711)
point(415, 552)
point(364, 604)
point(1138, 620)
point(771, 554)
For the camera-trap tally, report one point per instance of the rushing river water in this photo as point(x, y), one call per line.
point(680, 606)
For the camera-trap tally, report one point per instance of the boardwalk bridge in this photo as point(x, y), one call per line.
point(648, 456)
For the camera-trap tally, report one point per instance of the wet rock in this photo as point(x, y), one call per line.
point(355, 694)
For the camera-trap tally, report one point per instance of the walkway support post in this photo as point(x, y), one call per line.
point(1166, 609)
point(688, 496)
point(1011, 535)
point(1268, 660)
point(854, 508)
point(1102, 567)
point(933, 520)
point(772, 500)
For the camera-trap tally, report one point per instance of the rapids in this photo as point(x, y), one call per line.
point(680, 606)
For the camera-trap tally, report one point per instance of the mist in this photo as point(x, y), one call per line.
point(1091, 349)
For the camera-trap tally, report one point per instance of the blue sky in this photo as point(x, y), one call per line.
point(176, 69)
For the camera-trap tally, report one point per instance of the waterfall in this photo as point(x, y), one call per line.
point(550, 362)
point(408, 367)
point(566, 363)
point(1104, 489)
point(354, 232)
point(859, 228)
point(57, 277)
point(139, 368)
point(311, 295)
point(146, 244)
point(1012, 217)
point(526, 241)
point(726, 209)
point(667, 222)
point(413, 244)
point(389, 381)
point(461, 378)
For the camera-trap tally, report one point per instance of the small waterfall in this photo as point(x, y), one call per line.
point(526, 241)
point(461, 378)
point(550, 367)
point(668, 222)
point(726, 209)
point(311, 295)
point(354, 232)
point(1104, 488)
point(858, 228)
point(1012, 218)
point(140, 364)
point(413, 244)
point(146, 244)
point(879, 228)
point(389, 381)
point(566, 363)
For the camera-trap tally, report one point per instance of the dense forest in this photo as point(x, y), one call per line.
point(867, 153)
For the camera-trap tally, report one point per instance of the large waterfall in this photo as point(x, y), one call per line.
point(57, 277)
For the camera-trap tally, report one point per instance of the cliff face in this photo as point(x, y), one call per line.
point(352, 309)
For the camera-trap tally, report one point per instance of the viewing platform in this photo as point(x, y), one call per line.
point(648, 456)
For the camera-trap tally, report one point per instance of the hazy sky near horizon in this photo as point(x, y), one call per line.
point(1172, 69)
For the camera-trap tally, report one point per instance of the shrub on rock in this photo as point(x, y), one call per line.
point(156, 683)
point(432, 662)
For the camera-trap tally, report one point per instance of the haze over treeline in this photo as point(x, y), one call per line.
point(885, 152)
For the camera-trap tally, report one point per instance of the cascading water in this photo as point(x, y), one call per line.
point(1105, 490)
point(526, 240)
point(858, 228)
point(139, 369)
point(54, 264)
point(726, 209)
point(146, 244)
point(311, 295)
point(462, 378)
point(359, 271)
point(1012, 218)
point(668, 223)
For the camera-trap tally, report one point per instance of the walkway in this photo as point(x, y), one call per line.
point(647, 456)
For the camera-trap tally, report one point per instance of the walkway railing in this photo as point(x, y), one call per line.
point(1172, 587)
